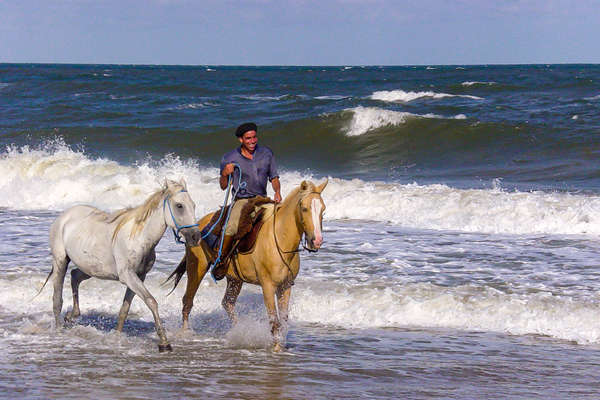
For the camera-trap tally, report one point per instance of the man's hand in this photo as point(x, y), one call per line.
point(277, 189)
point(227, 170)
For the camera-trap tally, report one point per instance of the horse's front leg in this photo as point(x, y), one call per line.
point(196, 267)
point(129, 294)
point(77, 276)
point(134, 283)
point(269, 299)
point(232, 292)
point(283, 300)
point(124, 311)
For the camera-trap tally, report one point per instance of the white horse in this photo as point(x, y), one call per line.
point(119, 246)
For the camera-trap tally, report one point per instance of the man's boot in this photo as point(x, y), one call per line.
point(219, 271)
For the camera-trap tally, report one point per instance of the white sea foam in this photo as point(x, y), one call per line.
point(332, 97)
point(478, 83)
point(422, 305)
point(56, 177)
point(597, 97)
point(366, 119)
point(465, 307)
point(192, 106)
point(405, 97)
point(260, 98)
point(441, 207)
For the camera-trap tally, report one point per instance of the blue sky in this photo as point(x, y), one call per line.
point(300, 32)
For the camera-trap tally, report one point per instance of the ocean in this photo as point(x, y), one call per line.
point(462, 230)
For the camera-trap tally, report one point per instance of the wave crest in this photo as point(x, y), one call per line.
point(58, 177)
point(405, 97)
point(366, 119)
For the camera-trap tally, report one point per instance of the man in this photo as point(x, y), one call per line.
point(258, 166)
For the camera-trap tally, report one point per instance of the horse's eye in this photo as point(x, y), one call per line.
point(179, 205)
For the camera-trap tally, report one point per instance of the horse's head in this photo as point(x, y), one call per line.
point(180, 211)
point(310, 209)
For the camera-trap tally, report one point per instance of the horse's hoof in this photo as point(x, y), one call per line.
point(277, 348)
point(164, 347)
point(70, 318)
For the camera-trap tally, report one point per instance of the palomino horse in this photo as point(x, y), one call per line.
point(119, 246)
point(273, 263)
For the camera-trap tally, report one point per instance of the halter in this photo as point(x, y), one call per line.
point(302, 221)
point(179, 227)
point(282, 252)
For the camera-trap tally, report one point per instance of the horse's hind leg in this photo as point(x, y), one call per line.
point(196, 267)
point(77, 276)
point(232, 292)
point(59, 269)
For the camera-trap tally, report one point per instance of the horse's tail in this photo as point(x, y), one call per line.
point(44, 285)
point(176, 275)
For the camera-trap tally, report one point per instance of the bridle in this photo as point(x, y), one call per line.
point(282, 252)
point(179, 227)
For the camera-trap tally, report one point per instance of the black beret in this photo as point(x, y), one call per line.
point(243, 128)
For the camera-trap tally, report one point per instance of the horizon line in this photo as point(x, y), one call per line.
point(295, 65)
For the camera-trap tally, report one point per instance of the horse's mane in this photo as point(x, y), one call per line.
point(139, 214)
point(301, 190)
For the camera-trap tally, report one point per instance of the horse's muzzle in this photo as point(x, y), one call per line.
point(313, 245)
point(192, 236)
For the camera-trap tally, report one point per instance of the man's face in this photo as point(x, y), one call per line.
point(248, 141)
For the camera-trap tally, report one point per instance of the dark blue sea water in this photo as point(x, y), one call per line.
point(462, 229)
point(533, 126)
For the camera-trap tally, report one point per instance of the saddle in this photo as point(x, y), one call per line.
point(248, 228)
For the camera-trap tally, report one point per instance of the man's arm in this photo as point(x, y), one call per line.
point(225, 172)
point(277, 188)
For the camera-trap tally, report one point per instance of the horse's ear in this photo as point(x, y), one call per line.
point(182, 183)
point(304, 185)
point(169, 184)
point(320, 188)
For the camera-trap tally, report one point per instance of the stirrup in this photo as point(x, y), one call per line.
point(212, 265)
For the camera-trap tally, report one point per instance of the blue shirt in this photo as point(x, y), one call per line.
point(255, 172)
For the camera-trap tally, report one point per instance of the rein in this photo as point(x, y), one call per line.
point(279, 248)
point(282, 252)
point(208, 232)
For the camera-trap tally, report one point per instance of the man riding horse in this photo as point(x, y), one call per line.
point(257, 165)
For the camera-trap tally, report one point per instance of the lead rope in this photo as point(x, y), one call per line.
point(240, 186)
point(279, 248)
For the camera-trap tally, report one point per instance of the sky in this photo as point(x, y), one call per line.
point(300, 32)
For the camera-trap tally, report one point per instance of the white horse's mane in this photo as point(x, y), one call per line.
point(138, 214)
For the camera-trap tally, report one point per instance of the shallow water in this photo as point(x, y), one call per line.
point(453, 319)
